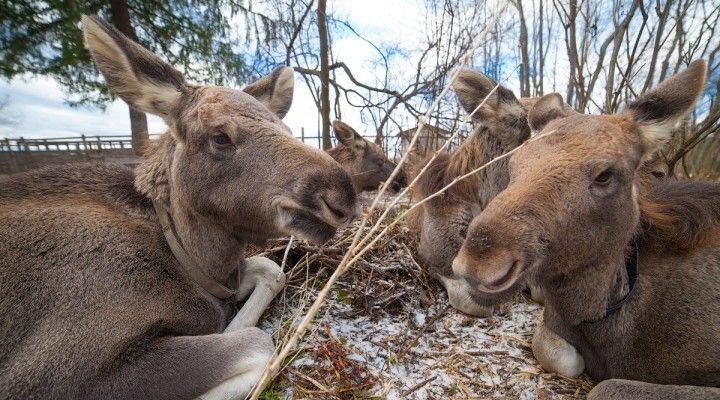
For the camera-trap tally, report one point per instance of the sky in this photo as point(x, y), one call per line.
point(36, 107)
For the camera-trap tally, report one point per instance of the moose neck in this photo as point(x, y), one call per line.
point(485, 144)
point(591, 292)
point(211, 248)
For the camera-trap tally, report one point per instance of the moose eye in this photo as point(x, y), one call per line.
point(604, 178)
point(221, 139)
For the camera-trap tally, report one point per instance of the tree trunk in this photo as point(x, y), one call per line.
point(525, 66)
point(139, 129)
point(324, 75)
point(120, 17)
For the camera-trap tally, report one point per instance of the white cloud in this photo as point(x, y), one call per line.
point(38, 110)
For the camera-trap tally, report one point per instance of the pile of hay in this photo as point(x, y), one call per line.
point(387, 331)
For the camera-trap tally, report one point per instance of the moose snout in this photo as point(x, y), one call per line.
point(337, 207)
point(314, 206)
point(333, 195)
point(490, 273)
point(489, 260)
point(399, 182)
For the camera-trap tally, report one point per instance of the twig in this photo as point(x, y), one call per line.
point(275, 363)
point(313, 381)
point(287, 251)
point(411, 343)
point(418, 386)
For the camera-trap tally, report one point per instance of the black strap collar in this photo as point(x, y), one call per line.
point(631, 267)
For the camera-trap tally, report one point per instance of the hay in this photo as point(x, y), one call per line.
point(386, 331)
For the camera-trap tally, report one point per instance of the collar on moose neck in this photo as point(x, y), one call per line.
point(188, 266)
point(631, 267)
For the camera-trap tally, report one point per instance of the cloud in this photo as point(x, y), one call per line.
point(37, 109)
point(40, 111)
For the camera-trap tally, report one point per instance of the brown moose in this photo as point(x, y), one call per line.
point(122, 284)
point(441, 223)
point(629, 266)
point(365, 161)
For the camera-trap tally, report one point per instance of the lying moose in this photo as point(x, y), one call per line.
point(365, 161)
point(115, 284)
point(629, 266)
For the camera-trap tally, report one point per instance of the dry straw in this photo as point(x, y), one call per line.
point(367, 241)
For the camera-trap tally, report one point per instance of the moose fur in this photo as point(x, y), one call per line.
point(94, 302)
point(365, 161)
point(575, 210)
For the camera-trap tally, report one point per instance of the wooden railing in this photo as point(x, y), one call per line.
point(22, 154)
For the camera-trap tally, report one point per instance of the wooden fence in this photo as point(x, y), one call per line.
point(17, 155)
point(22, 154)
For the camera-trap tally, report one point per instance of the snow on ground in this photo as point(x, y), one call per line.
point(387, 331)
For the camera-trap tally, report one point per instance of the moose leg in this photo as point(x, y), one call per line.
point(635, 390)
point(217, 366)
point(262, 280)
point(555, 354)
point(536, 293)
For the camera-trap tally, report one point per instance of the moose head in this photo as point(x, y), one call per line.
point(228, 164)
point(572, 205)
point(365, 161)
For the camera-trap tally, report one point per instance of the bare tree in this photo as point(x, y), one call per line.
point(324, 74)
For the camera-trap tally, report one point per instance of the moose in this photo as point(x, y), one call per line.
point(117, 283)
point(365, 161)
point(629, 265)
point(441, 223)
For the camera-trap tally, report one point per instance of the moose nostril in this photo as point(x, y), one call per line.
point(337, 212)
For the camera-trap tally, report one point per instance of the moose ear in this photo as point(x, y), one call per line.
point(472, 87)
point(274, 90)
point(346, 135)
point(547, 108)
point(659, 110)
point(135, 74)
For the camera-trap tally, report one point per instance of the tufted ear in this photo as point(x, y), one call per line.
point(471, 88)
point(658, 111)
point(274, 90)
point(135, 74)
point(347, 135)
point(546, 109)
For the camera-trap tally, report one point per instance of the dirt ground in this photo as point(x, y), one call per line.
point(387, 332)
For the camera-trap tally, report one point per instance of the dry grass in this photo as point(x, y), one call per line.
point(387, 331)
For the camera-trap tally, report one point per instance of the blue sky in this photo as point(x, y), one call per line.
point(37, 109)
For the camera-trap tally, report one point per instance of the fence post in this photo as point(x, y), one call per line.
point(14, 165)
point(100, 149)
point(27, 156)
point(302, 134)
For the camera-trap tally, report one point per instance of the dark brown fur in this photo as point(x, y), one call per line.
point(578, 202)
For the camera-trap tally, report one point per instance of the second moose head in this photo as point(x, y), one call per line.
point(365, 161)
